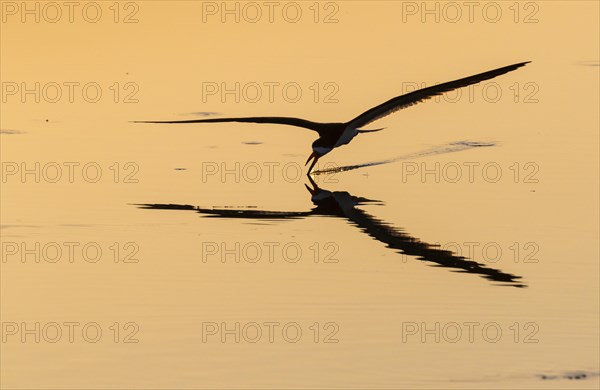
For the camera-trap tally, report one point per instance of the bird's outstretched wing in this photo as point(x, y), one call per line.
point(412, 246)
point(228, 213)
point(281, 120)
point(418, 96)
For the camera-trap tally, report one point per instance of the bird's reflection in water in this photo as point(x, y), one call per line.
point(343, 205)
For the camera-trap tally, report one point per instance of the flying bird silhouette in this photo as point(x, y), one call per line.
point(333, 135)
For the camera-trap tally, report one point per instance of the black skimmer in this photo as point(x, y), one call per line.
point(333, 135)
point(344, 205)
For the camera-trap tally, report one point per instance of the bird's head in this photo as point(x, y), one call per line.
point(318, 150)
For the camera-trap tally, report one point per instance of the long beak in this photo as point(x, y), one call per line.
point(312, 192)
point(313, 155)
point(315, 188)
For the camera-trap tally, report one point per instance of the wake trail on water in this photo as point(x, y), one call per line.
point(451, 147)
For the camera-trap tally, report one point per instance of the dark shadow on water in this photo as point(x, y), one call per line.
point(8, 131)
point(570, 375)
point(343, 205)
point(201, 113)
point(589, 63)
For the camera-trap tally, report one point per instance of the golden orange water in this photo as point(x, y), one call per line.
point(185, 300)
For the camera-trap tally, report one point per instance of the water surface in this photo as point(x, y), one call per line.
point(461, 251)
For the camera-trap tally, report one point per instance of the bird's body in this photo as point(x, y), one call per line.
point(333, 135)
